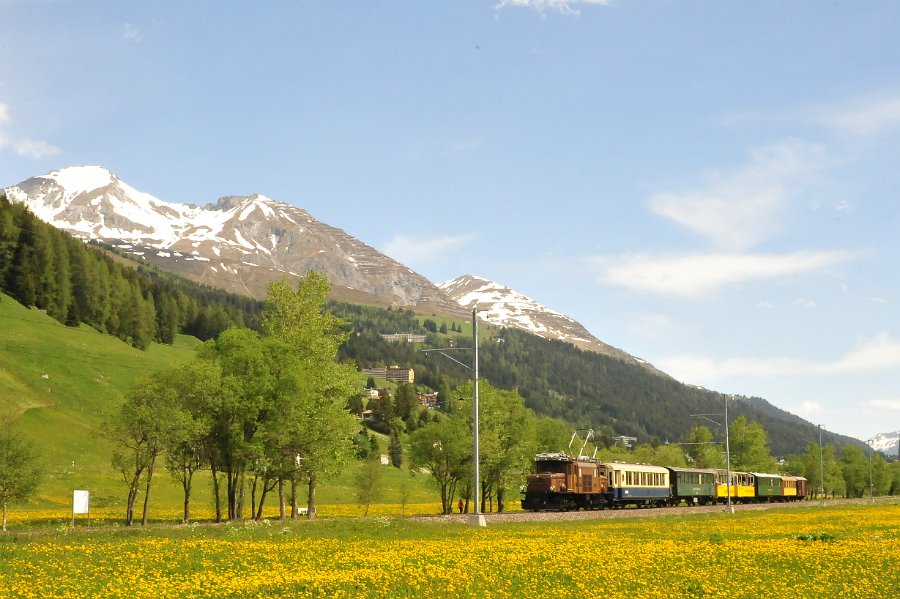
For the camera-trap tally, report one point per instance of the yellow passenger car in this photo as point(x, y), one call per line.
point(742, 486)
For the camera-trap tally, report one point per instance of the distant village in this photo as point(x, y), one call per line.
point(399, 375)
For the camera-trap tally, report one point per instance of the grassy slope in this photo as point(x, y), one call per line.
point(87, 375)
point(60, 384)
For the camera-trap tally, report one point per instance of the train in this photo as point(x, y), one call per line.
point(562, 482)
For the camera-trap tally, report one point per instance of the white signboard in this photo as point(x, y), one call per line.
point(81, 502)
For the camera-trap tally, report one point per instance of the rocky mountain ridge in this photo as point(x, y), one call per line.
point(501, 306)
point(240, 243)
point(886, 443)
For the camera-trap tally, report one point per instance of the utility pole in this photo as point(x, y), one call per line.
point(477, 518)
point(728, 459)
point(871, 483)
point(821, 465)
point(727, 452)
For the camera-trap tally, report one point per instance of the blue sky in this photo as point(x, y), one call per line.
point(711, 186)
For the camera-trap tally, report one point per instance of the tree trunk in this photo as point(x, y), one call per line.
point(232, 496)
point(129, 505)
point(253, 498)
point(281, 512)
point(147, 493)
point(294, 497)
point(239, 508)
point(311, 501)
point(236, 494)
point(217, 498)
point(187, 496)
point(262, 498)
point(451, 493)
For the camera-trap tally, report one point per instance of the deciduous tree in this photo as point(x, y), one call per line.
point(750, 447)
point(444, 449)
point(196, 387)
point(321, 425)
point(701, 450)
point(140, 431)
point(20, 468)
point(368, 480)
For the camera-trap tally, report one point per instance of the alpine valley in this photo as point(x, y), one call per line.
point(242, 243)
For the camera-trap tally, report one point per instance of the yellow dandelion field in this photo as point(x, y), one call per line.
point(813, 551)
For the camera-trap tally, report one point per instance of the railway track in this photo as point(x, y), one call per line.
point(498, 518)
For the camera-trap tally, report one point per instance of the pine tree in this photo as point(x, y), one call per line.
point(395, 449)
point(61, 297)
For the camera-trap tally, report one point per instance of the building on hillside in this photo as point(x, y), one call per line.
point(625, 441)
point(429, 400)
point(393, 373)
point(372, 393)
point(408, 337)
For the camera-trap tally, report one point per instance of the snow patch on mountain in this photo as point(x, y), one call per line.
point(77, 180)
point(254, 239)
point(501, 306)
point(886, 443)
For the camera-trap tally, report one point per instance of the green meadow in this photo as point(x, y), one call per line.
point(803, 551)
point(61, 384)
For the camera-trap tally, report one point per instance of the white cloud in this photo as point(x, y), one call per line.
point(885, 404)
point(804, 303)
point(465, 145)
point(35, 149)
point(810, 408)
point(27, 147)
point(653, 326)
point(131, 33)
point(409, 250)
point(865, 116)
point(878, 354)
point(738, 209)
point(696, 275)
point(566, 7)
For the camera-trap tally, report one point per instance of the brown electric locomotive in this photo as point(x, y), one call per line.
point(562, 482)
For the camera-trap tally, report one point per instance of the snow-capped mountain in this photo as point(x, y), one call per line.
point(886, 443)
point(240, 243)
point(502, 306)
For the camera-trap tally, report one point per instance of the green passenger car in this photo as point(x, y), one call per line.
point(768, 487)
point(693, 486)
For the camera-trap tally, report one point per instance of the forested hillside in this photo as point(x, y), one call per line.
point(590, 390)
point(74, 283)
